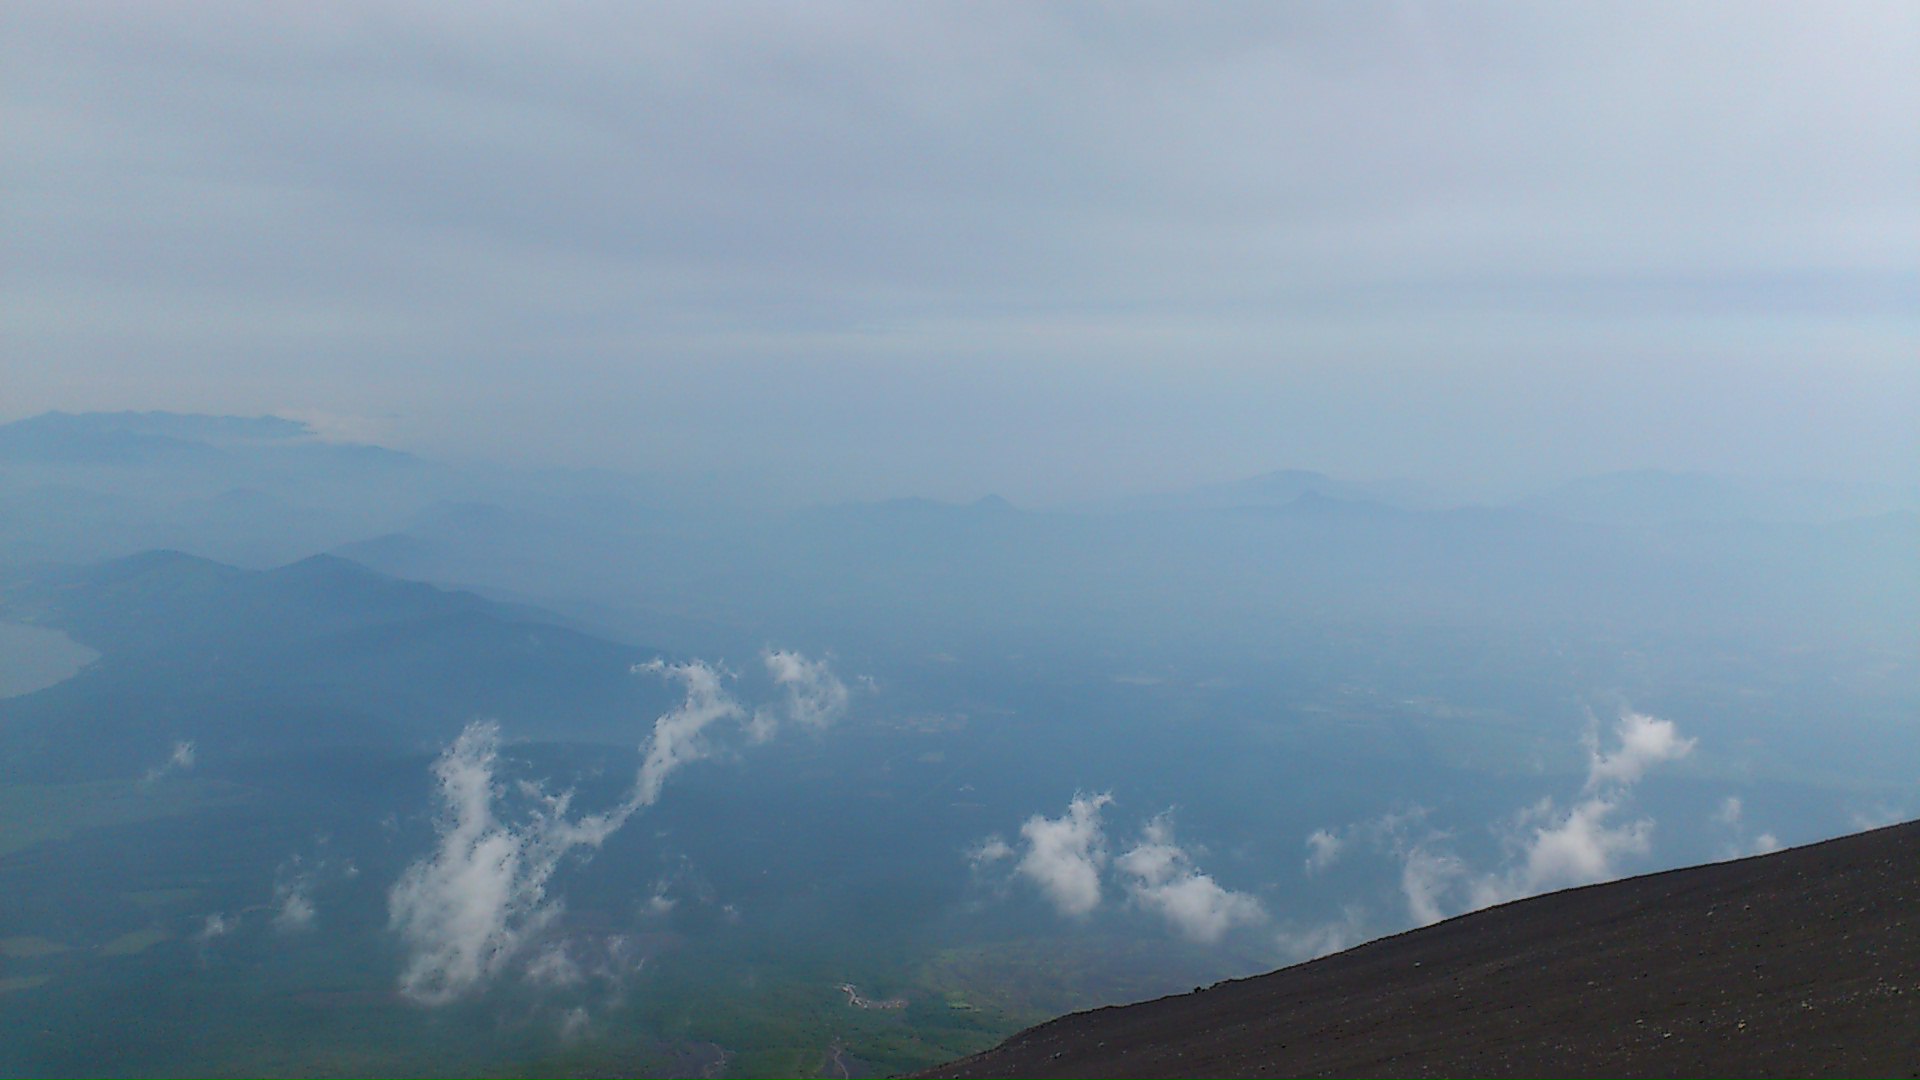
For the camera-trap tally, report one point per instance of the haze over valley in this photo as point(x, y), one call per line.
point(988, 761)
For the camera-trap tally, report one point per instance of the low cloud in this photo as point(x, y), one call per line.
point(679, 735)
point(1326, 938)
point(813, 695)
point(467, 910)
point(1549, 846)
point(293, 905)
point(1323, 849)
point(480, 902)
point(1165, 880)
point(1877, 817)
point(1067, 859)
point(1644, 743)
point(1731, 818)
point(989, 851)
point(1585, 843)
point(554, 966)
point(180, 760)
point(1065, 855)
point(1565, 848)
point(1426, 877)
point(216, 925)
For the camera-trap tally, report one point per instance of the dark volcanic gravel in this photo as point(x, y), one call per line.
point(1805, 962)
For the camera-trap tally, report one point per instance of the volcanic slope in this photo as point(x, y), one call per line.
point(1804, 962)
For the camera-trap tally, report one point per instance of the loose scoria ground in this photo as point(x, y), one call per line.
point(1800, 963)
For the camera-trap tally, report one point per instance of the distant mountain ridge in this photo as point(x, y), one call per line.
point(129, 438)
point(1798, 963)
point(318, 652)
point(1287, 486)
point(1659, 496)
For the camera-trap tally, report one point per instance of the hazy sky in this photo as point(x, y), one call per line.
point(1040, 249)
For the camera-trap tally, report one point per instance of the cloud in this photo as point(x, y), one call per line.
point(814, 696)
point(1579, 846)
point(1731, 817)
point(293, 905)
point(554, 966)
point(1323, 848)
point(678, 735)
point(1066, 859)
point(1426, 876)
point(1584, 844)
point(989, 851)
point(1166, 881)
point(470, 910)
point(1325, 939)
point(1878, 817)
point(1548, 847)
point(1644, 743)
point(1110, 177)
point(216, 925)
point(467, 910)
point(1065, 855)
point(180, 760)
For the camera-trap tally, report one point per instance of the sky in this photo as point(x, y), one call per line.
point(1053, 251)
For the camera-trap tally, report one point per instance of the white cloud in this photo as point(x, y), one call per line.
point(1426, 876)
point(574, 1024)
point(814, 696)
point(1193, 903)
point(292, 905)
point(1548, 847)
point(1644, 743)
point(1878, 817)
point(1584, 844)
point(293, 908)
point(1731, 817)
point(988, 851)
point(471, 908)
point(180, 760)
point(1325, 939)
point(1065, 855)
point(217, 925)
point(467, 910)
point(678, 735)
point(1323, 848)
point(554, 966)
point(1579, 846)
point(1066, 858)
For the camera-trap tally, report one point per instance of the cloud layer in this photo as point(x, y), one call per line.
point(1428, 218)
